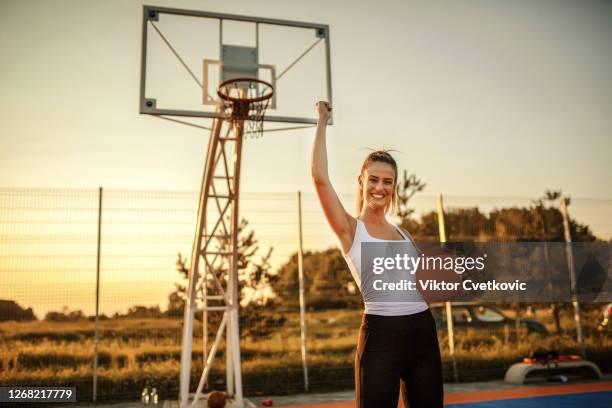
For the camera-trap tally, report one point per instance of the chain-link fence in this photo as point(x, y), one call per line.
point(50, 252)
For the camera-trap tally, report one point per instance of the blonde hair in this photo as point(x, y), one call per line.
point(382, 156)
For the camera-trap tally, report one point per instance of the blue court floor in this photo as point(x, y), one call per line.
point(581, 400)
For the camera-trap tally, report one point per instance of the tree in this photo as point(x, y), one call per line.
point(66, 315)
point(257, 281)
point(327, 281)
point(176, 304)
point(512, 224)
point(143, 312)
point(406, 189)
point(10, 310)
point(255, 286)
point(178, 297)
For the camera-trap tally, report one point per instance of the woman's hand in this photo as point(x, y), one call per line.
point(323, 109)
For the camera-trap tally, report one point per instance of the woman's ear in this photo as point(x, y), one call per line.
point(360, 181)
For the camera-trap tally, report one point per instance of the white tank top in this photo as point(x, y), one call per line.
point(353, 260)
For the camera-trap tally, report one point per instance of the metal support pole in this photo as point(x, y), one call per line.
point(553, 305)
point(302, 294)
point(448, 306)
point(205, 325)
point(235, 294)
point(214, 260)
point(97, 326)
point(194, 273)
point(570, 264)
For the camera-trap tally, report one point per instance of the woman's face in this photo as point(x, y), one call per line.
point(378, 185)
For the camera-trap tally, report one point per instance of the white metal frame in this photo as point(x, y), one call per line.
point(214, 257)
point(147, 105)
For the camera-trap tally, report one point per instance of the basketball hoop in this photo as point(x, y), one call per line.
point(247, 99)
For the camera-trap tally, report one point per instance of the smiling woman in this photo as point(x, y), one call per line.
point(398, 345)
point(378, 165)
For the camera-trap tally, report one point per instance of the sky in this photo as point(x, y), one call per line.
point(487, 102)
point(479, 98)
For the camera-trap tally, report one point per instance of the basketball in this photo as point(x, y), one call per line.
point(216, 399)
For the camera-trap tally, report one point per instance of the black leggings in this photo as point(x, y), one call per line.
point(396, 352)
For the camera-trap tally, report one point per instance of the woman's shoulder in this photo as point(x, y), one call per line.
point(408, 236)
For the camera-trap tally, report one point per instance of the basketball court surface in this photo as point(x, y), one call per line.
point(561, 396)
point(591, 399)
point(488, 395)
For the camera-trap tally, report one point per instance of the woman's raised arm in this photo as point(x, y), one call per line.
point(341, 222)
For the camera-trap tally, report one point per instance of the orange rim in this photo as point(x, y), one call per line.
point(225, 97)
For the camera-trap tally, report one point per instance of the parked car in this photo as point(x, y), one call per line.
point(481, 317)
point(607, 315)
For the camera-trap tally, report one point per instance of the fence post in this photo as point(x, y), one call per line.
point(448, 306)
point(302, 294)
point(97, 328)
point(570, 264)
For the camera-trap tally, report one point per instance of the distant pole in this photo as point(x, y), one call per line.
point(570, 263)
point(302, 294)
point(449, 308)
point(97, 329)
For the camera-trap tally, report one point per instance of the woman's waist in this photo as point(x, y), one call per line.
point(395, 323)
point(394, 309)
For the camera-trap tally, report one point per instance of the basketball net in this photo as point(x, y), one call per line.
point(245, 101)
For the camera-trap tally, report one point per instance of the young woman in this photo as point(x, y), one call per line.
point(398, 344)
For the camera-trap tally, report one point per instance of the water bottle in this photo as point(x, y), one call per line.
point(144, 396)
point(154, 396)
